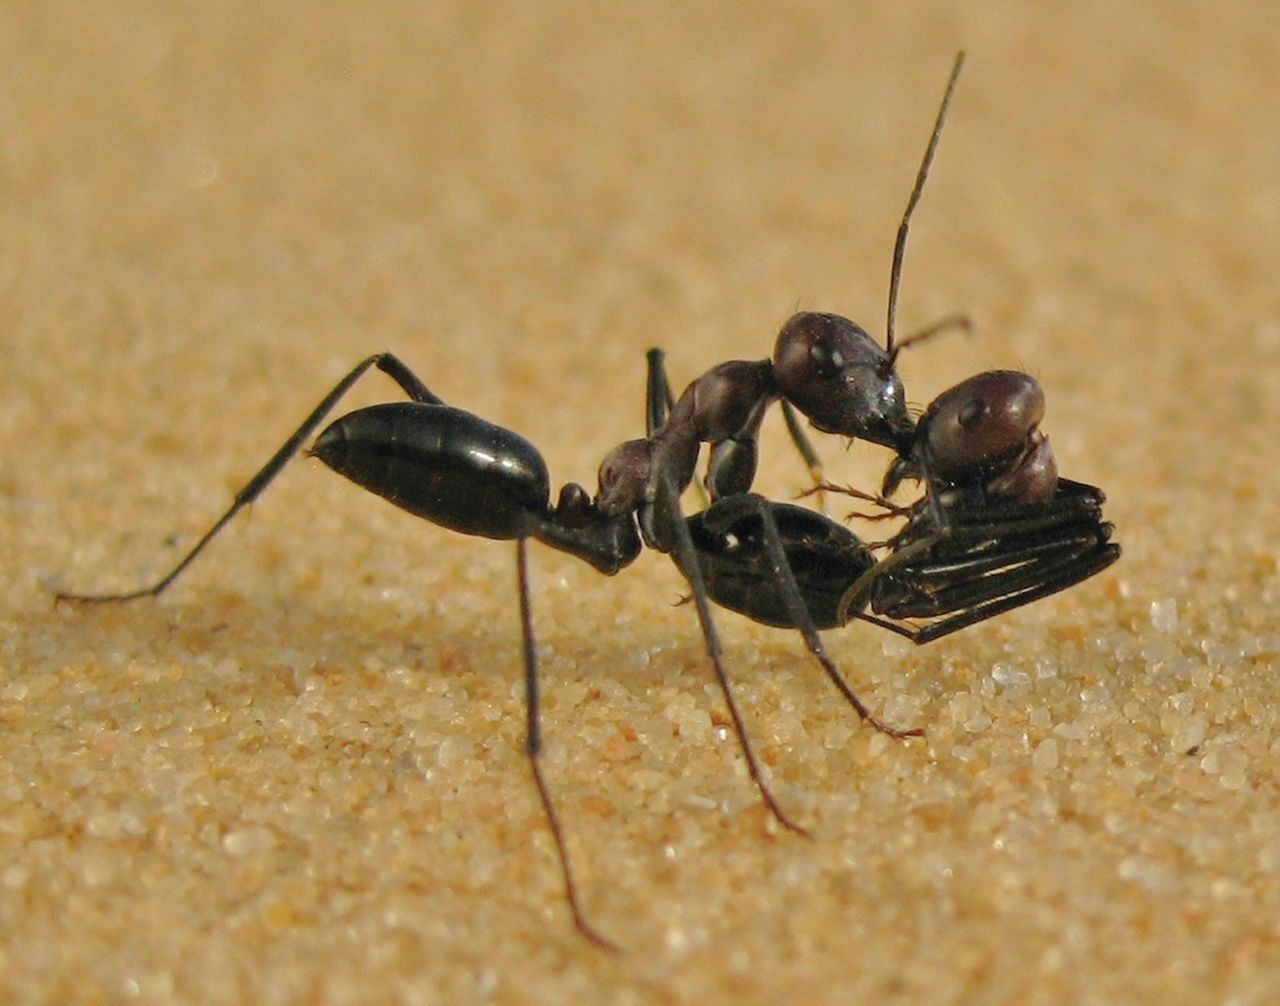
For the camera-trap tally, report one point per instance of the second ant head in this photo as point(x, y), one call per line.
point(984, 433)
point(841, 379)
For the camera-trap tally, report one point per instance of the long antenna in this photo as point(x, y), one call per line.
point(900, 246)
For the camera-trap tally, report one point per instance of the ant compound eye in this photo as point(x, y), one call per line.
point(971, 413)
point(827, 359)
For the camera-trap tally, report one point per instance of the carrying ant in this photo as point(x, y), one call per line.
point(823, 365)
point(968, 551)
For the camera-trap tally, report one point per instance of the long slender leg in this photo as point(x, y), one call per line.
point(1050, 582)
point(1037, 571)
point(387, 363)
point(987, 562)
point(533, 747)
point(803, 620)
point(659, 401)
point(795, 429)
point(855, 598)
point(687, 559)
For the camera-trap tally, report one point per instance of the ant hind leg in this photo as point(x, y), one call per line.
point(386, 362)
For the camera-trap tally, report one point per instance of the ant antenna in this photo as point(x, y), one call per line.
point(900, 245)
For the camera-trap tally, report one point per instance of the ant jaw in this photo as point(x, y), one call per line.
point(900, 469)
point(897, 432)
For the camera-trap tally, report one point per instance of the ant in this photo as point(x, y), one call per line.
point(823, 365)
point(457, 470)
point(777, 563)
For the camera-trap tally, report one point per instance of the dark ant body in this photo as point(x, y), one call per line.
point(969, 549)
point(999, 529)
point(779, 564)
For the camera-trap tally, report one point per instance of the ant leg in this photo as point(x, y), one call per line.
point(385, 362)
point(805, 446)
point(659, 401)
point(1062, 576)
point(403, 376)
point(800, 617)
point(686, 557)
point(888, 509)
point(970, 583)
point(988, 601)
point(855, 598)
point(533, 747)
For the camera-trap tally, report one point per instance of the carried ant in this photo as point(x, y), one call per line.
point(967, 552)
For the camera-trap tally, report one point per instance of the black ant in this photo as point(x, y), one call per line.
point(777, 563)
point(461, 472)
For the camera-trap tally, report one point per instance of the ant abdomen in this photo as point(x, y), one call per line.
point(443, 464)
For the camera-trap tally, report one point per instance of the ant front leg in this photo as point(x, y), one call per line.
point(675, 529)
point(386, 362)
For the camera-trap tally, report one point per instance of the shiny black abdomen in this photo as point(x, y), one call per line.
point(443, 464)
point(825, 558)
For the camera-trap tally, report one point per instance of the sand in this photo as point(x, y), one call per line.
point(297, 776)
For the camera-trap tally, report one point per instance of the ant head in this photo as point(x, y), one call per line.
point(988, 427)
point(623, 476)
point(841, 379)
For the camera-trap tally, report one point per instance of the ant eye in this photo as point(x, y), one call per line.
point(827, 359)
point(971, 413)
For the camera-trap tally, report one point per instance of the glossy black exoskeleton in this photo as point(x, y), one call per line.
point(926, 585)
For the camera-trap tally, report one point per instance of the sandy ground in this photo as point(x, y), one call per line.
point(297, 776)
